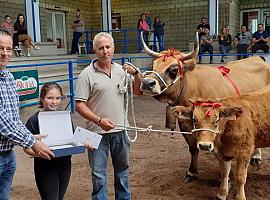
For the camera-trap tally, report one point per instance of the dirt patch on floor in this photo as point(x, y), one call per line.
point(159, 162)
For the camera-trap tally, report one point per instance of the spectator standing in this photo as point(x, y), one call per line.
point(206, 45)
point(101, 103)
point(202, 26)
point(260, 39)
point(159, 32)
point(143, 26)
point(225, 42)
point(13, 132)
point(52, 176)
point(242, 42)
point(78, 26)
point(148, 19)
point(20, 31)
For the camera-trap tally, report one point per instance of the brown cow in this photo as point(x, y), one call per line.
point(232, 128)
point(175, 79)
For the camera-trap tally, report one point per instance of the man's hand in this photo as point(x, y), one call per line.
point(106, 124)
point(131, 69)
point(41, 150)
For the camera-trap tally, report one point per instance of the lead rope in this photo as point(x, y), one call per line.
point(127, 80)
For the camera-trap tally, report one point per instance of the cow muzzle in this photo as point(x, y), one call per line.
point(150, 86)
point(205, 146)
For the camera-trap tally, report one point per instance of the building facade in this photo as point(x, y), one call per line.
point(180, 17)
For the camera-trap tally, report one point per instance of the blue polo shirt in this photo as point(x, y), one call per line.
point(258, 35)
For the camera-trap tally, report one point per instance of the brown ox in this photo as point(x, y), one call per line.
point(232, 129)
point(165, 85)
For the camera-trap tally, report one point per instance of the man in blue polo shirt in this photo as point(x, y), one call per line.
point(260, 39)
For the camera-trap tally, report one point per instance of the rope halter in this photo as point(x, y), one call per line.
point(164, 56)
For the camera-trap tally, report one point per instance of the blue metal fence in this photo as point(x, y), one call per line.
point(71, 77)
point(124, 37)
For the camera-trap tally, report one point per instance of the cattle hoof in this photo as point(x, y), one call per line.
point(188, 178)
point(255, 162)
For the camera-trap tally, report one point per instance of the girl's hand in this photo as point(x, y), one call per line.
point(88, 146)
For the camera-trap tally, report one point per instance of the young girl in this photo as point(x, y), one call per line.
point(52, 176)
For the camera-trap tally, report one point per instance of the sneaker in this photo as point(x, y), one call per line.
point(28, 55)
point(222, 61)
point(200, 62)
point(17, 48)
point(36, 47)
point(211, 62)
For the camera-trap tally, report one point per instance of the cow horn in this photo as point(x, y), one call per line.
point(146, 49)
point(195, 51)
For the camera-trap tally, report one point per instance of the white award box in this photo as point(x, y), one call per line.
point(58, 126)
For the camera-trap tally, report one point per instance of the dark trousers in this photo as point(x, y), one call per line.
point(75, 42)
point(204, 49)
point(52, 177)
point(257, 47)
point(242, 49)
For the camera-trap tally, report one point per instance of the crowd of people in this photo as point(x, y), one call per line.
point(152, 30)
point(243, 41)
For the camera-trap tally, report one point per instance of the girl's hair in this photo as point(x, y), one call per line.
point(157, 17)
point(45, 89)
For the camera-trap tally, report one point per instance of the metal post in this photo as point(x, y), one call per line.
point(125, 41)
point(155, 43)
point(87, 42)
point(71, 86)
point(139, 40)
point(123, 60)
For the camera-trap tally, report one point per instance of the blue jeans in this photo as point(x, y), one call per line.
point(118, 146)
point(75, 42)
point(161, 42)
point(205, 48)
point(224, 50)
point(7, 170)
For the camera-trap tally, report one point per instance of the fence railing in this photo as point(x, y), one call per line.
point(71, 77)
point(122, 37)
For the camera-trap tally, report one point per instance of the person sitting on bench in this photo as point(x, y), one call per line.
point(20, 30)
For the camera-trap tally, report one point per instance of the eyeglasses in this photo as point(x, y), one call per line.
point(7, 49)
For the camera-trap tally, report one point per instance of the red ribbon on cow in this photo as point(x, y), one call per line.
point(173, 53)
point(213, 106)
point(225, 72)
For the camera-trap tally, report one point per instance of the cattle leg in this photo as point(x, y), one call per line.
point(224, 168)
point(192, 174)
point(256, 158)
point(240, 176)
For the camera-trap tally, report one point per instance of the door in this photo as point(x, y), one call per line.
point(250, 18)
point(266, 20)
point(56, 30)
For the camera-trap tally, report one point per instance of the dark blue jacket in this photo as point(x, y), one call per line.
point(159, 28)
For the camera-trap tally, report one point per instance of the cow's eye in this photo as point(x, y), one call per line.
point(195, 121)
point(173, 71)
